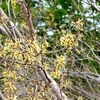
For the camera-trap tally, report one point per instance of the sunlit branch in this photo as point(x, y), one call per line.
point(90, 2)
point(2, 29)
point(51, 83)
point(28, 17)
point(10, 23)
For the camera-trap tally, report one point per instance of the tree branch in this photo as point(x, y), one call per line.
point(90, 2)
point(28, 17)
point(10, 23)
point(84, 75)
point(51, 84)
point(2, 29)
point(1, 96)
point(82, 92)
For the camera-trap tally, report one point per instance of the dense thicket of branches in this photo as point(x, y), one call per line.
point(50, 50)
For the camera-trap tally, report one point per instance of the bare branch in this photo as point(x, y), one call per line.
point(1, 96)
point(84, 75)
point(82, 92)
point(9, 32)
point(10, 23)
point(91, 50)
point(2, 29)
point(92, 3)
point(28, 17)
point(51, 84)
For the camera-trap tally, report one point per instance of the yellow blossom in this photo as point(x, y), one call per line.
point(67, 83)
point(56, 74)
point(61, 61)
point(78, 25)
point(13, 3)
point(80, 98)
point(68, 41)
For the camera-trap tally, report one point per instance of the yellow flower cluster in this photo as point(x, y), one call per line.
point(80, 98)
point(66, 83)
point(56, 74)
point(10, 88)
point(44, 45)
point(23, 51)
point(9, 74)
point(68, 41)
point(78, 25)
point(61, 61)
point(24, 25)
point(13, 3)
